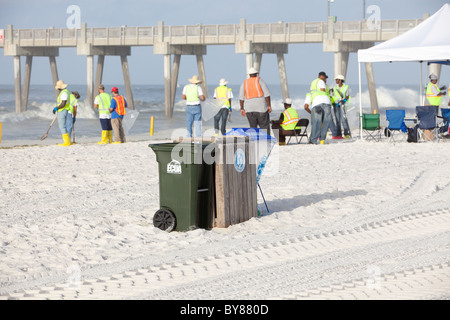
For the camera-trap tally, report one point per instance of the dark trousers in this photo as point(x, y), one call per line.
point(106, 124)
point(222, 117)
point(259, 118)
point(276, 125)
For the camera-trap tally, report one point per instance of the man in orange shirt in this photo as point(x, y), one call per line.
point(254, 98)
point(117, 110)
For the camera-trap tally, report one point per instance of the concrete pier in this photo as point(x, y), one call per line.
point(252, 40)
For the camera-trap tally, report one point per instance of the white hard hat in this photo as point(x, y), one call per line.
point(252, 71)
point(433, 76)
point(339, 77)
point(288, 101)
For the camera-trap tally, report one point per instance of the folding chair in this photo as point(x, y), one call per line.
point(371, 126)
point(427, 121)
point(443, 127)
point(298, 133)
point(396, 126)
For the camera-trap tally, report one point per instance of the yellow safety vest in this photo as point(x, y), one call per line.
point(58, 100)
point(72, 102)
point(222, 94)
point(104, 103)
point(343, 90)
point(290, 119)
point(192, 93)
point(433, 99)
point(315, 91)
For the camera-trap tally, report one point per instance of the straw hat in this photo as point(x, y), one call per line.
point(195, 80)
point(223, 82)
point(60, 85)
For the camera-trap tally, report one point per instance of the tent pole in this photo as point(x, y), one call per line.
point(360, 101)
point(421, 85)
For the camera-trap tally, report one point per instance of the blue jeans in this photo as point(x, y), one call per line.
point(65, 122)
point(222, 117)
point(316, 123)
point(340, 119)
point(320, 120)
point(326, 118)
point(194, 117)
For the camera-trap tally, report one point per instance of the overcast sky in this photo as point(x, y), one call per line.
point(303, 61)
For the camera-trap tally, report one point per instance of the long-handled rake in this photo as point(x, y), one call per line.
point(46, 134)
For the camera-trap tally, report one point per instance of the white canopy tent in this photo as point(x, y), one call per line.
point(429, 42)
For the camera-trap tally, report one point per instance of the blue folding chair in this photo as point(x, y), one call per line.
point(428, 129)
point(396, 126)
point(443, 126)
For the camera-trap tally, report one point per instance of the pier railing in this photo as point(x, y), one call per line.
point(280, 32)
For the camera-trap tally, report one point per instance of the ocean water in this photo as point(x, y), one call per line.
point(149, 101)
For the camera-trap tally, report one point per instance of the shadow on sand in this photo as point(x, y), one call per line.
point(290, 204)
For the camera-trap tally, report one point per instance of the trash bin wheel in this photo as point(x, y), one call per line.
point(164, 219)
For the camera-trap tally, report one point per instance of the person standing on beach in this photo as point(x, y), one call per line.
point(320, 96)
point(254, 98)
point(65, 123)
point(73, 107)
point(193, 93)
point(102, 102)
point(316, 119)
point(117, 110)
point(341, 95)
point(223, 93)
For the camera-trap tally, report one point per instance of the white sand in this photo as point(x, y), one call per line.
point(347, 212)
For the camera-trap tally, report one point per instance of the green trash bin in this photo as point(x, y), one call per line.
point(186, 184)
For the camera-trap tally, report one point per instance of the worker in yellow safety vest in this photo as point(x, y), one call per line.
point(321, 103)
point(73, 108)
point(287, 122)
point(65, 122)
point(193, 94)
point(340, 96)
point(434, 93)
point(224, 94)
point(101, 103)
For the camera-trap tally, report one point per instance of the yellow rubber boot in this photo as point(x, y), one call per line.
point(110, 140)
point(104, 137)
point(66, 139)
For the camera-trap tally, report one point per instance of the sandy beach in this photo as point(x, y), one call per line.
point(348, 220)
